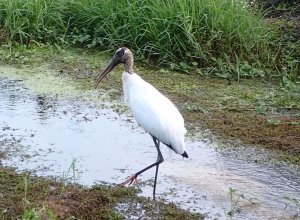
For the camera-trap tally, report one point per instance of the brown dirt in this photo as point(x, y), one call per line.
point(252, 128)
point(48, 200)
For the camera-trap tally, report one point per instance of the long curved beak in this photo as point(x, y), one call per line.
point(110, 66)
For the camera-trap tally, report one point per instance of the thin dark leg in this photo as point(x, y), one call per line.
point(155, 180)
point(159, 160)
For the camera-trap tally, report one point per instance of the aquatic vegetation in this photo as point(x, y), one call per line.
point(70, 174)
point(234, 199)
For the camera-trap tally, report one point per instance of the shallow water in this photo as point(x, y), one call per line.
point(44, 132)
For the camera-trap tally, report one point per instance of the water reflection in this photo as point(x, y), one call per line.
point(10, 94)
point(46, 106)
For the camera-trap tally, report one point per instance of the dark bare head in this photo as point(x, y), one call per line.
point(122, 55)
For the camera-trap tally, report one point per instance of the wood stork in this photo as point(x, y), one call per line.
point(152, 110)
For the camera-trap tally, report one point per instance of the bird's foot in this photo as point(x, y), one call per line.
point(129, 181)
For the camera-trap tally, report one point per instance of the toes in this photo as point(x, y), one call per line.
point(129, 181)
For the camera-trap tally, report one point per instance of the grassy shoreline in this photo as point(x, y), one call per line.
point(224, 38)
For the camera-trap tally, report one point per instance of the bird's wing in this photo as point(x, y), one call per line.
point(156, 113)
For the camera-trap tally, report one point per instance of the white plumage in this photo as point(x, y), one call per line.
point(152, 110)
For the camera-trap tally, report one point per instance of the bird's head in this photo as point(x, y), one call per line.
point(122, 55)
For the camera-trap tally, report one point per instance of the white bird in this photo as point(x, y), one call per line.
point(153, 111)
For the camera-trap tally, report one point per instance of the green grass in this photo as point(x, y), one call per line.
point(28, 21)
point(224, 37)
point(201, 31)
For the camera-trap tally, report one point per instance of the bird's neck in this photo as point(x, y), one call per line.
point(129, 65)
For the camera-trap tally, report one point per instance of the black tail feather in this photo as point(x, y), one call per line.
point(185, 155)
point(168, 145)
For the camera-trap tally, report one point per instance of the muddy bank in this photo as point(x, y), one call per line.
point(25, 196)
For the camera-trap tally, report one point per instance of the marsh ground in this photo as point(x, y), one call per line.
point(254, 112)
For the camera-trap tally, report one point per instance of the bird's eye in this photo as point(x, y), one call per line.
point(120, 52)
